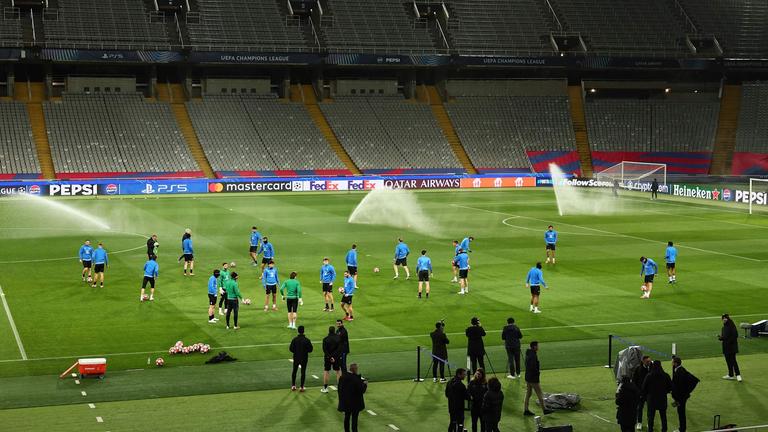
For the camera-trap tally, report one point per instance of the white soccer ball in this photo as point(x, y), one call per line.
point(157, 244)
point(185, 350)
point(376, 270)
point(90, 279)
point(642, 288)
point(232, 264)
point(205, 348)
point(247, 301)
point(159, 362)
point(172, 350)
point(179, 344)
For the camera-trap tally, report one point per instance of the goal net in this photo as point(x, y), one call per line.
point(627, 171)
point(758, 195)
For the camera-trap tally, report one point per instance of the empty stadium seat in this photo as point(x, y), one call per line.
point(10, 25)
point(752, 132)
point(741, 26)
point(17, 148)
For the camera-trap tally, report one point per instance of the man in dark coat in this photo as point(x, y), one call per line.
point(457, 395)
point(655, 388)
point(352, 386)
point(300, 347)
point(439, 351)
point(511, 336)
point(683, 383)
point(331, 357)
point(341, 331)
point(638, 377)
point(532, 378)
point(475, 345)
point(627, 399)
point(729, 337)
point(492, 405)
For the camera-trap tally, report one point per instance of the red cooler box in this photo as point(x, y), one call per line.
point(92, 366)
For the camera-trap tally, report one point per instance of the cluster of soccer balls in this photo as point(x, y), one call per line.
point(179, 348)
point(247, 301)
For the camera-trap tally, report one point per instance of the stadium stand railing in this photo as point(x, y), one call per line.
point(11, 32)
point(739, 25)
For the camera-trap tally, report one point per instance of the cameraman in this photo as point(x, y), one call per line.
point(439, 350)
point(475, 345)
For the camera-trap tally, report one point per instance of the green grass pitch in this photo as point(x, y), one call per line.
point(594, 291)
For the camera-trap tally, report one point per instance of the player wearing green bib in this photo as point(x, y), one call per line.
point(290, 290)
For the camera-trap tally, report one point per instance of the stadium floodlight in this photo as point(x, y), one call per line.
point(755, 189)
point(634, 171)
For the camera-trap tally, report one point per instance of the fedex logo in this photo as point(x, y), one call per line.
point(326, 185)
point(359, 185)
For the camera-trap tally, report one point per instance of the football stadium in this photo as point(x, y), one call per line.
point(384, 215)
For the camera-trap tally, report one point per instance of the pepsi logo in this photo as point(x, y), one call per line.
point(34, 190)
point(111, 189)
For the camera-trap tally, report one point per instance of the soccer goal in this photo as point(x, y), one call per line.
point(758, 194)
point(634, 171)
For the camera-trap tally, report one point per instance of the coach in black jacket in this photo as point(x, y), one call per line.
point(655, 388)
point(439, 351)
point(511, 336)
point(457, 395)
point(729, 337)
point(352, 386)
point(683, 383)
point(300, 347)
point(627, 398)
point(475, 345)
point(638, 377)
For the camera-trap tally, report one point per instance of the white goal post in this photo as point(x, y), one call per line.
point(634, 171)
point(753, 194)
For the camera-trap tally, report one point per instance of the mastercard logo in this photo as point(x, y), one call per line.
point(215, 187)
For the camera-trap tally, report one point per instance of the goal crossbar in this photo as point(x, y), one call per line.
point(634, 171)
point(752, 192)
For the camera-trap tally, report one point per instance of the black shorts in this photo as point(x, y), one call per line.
point(649, 278)
point(327, 287)
point(535, 290)
point(266, 260)
point(212, 299)
point(424, 276)
point(352, 270)
point(87, 264)
point(98, 268)
point(463, 273)
point(253, 249)
point(402, 261)
point(347, 299)
point(550, 246)
point(189, 257)
point(293, 305)
point(270, 289)
point(670, 265)
point(327, 365)
point(151, 281)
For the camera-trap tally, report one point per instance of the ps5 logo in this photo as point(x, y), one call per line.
point(164, 189)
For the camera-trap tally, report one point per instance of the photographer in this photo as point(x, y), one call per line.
point(439, 351)
point(475, 345)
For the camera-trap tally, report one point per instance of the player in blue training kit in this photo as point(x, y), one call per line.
point(424, 270)
point(327, 276)
point(270, 280)
point(670, 256)
point(454, 267)
point(465, 244)
point(401, 258)
point(462, 262)
point(85, 254)
point(100, 260)
point(267, 252)
point(550, 239)
point(346, 300)
point(254, 245)
point(213, 290)
point(189, 253)
point(534, 281)
point(151, 272)
point(351, 260)
point(647, 271)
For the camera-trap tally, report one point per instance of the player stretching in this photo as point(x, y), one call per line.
point(270, 280)
point(255, 242)
point(267, 252)
point(671, 257)
point(424, 269)
point(213, 288)
point(648, 270)
point(550, 238)
point(351, 260)
point(401, 258)
point(86, 258)
point(534, 281)
point(462, 262)
point(290, 291)
point(151, 272)
point(223, 278)
point(346, 300)
point(100, 260)
point(327, 276)
point(454, 267)
point(189, 257)
point(465, 244)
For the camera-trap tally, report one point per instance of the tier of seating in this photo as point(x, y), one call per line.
point(651, 125)
point(388, 132)
point(252, 133)
point(741, 26)
point(10, 25)
point(496, 131)
point(17, 149)
point(114, 133)
point(752, 132)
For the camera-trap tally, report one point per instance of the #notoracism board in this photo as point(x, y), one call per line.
point(634, 171)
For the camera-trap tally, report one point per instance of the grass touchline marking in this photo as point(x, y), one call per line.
point(601, 418)
point(371, 413)
point(315, 377)
point(13, 325)
point(67, 258)
point(538, 230)
point(91, 406)
point(393, 427)
point(84, 393)
point(99, 420)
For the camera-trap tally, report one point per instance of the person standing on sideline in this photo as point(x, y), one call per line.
point(347, 293)
point(223, 278)
point(648, 270)
point(152, 245)
point(511, 336)
point(255, 241)
point(683, 383)
point(151, 273)
point(213, 289)
point(729, 336)
point(655, 388)
point(654, 190)
point(331, 355)
point(457, 394)
point(534, 281)
point(533, 378)
point(627, 399)
point(477, 388)
point(638, 377)
point(270, 279)
point(670, 256)
point(439, 351)
point(290, 291)
point(454, 265)
point(424, 269)
point(401, 258)
point(267, 252)
point(233, 298)
point(475, 346)
point(351, 260)
point(462, 262)
point(100, 262)
point(300, 347)
point(189, 253)
point(327, 276)
point(550, 240)
point(492, 405)
point(352, 387)
point(343, 335)
point(85, 254)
